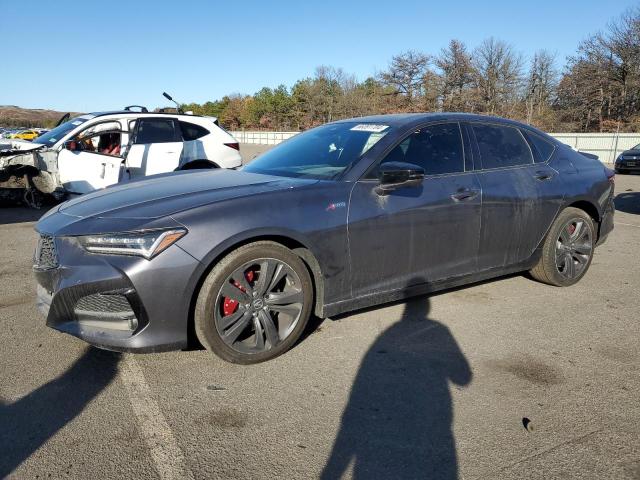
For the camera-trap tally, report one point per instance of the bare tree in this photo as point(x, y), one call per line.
point(541, 84)
point(456, 71)
point(406, 73)
point(498, 76)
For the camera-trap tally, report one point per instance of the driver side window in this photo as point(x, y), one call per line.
point(103, 138)
point(436, 148)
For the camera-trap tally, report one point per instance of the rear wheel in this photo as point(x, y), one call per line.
point(568, 249)
point(255, 303)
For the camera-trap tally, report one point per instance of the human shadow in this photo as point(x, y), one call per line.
point(28, 423)
point(628, 202)
point(398, 422)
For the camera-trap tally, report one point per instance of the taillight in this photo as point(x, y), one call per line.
point(611, 175)
point(235, 146)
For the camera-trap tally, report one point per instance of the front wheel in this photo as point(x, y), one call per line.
point(567, 250)
point(255, 303)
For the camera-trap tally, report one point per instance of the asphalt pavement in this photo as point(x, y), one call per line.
point(508, 378)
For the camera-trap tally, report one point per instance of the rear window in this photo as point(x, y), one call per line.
point(156, 131)
point(542, 149)
point(501, 146)
point(191, 131)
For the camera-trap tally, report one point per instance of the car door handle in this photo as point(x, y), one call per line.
point(464, 195)
point(542, 176)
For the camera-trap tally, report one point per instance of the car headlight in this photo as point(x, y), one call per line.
point(144, 244)
point(619, 159)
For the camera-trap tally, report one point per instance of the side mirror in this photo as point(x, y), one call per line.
point(394, 175)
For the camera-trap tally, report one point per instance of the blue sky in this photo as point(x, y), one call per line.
point(87, 56)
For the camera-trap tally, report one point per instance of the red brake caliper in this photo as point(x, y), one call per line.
point(230, 305)
point(572, 228)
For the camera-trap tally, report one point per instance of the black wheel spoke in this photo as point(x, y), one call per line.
point(581, 259)
point(584, 249)
point(284, 298)
point(234, 332)
point(259, 334)
point(234, 293)
point(267, 270)
point(239, 277)
point(229, 320)
point(569, 266)
point(270, 330)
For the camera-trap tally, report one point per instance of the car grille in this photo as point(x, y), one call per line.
point(46, 256)
point(105, 304)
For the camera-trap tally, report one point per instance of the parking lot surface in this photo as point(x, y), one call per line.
point(504, 379)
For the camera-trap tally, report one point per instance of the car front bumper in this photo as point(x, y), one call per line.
point(117, 302)
point(628, 166)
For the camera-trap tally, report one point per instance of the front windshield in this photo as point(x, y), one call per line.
point(637, 147)
point(52, 136)
point(322, 152)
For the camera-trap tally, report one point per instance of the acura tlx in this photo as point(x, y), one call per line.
point(344, 216)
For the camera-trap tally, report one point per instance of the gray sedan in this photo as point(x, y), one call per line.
point(344, 216)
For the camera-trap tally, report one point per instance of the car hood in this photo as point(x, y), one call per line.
point(632, 153)
point(167, 194)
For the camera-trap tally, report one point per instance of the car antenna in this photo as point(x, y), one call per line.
point(168, 97)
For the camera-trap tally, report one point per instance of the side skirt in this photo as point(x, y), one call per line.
point(380, 298)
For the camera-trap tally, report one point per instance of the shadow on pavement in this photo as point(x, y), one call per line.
point(28, 423)
point(13, 214)
point(398, 421)
point(628, 202)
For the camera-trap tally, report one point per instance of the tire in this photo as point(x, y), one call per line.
point(237, 287)
point(567, 250)
point(199, 165)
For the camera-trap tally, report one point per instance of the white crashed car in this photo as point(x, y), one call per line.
point(96, 150)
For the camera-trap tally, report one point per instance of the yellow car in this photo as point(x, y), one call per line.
point(26, 135)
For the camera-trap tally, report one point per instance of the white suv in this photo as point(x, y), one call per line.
point(96, 150)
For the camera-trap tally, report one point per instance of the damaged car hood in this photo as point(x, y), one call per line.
point(167, 194)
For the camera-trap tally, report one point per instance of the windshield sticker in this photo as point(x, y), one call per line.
point(76, 123)
point(369, 127)
point(53, 140)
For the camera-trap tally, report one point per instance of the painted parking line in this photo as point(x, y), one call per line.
point(165, 452)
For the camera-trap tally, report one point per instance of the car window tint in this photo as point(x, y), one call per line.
point(542, 149)
point(436, 148)
point(191, 131)
point(156, 131)
point(501, 146)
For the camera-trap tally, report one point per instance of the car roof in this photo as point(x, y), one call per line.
point(406, 119)
point(131, 112)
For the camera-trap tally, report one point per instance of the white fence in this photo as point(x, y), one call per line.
point(263, 138)
point(607, 146)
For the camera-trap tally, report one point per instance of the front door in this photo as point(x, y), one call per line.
point(92, 159)
point(155, 147)
point(417, 234)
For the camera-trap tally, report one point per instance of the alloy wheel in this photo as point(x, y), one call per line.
point(258, 305)
point(574, 247)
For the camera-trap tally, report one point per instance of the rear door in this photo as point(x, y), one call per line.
point(518, 203)
point(155, 147)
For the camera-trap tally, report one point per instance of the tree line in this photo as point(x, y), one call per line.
point(597, 90)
